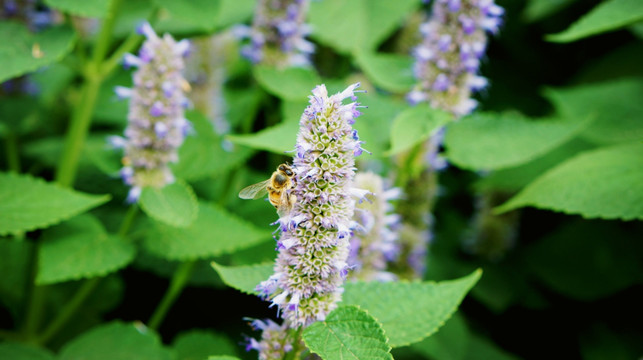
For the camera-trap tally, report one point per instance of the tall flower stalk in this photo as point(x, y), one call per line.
point(314, 240)
point(454, 40)
point(278, 32)
point(156, 120)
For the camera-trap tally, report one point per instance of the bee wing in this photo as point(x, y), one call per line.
point(255, 191)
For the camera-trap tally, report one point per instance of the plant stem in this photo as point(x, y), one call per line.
point(179, 279)
point(11, 146)
point(36, 295)
point(81, 117)
point(128, 220)
point(68, 310)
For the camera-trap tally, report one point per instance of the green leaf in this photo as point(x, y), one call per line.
point(202, 155)
point(347, 333)
point(540, 9)
point(215, 232)
point(223, 357)
point(80, 248)
point(487, 141)
point(27, 52)
point(450, 343)
point(17, 351)
point(372, 21)
point(392, 72)
point(233, 12)
point(419, 313)
point(109, 109)
point(116, 341)
point(199, 13)
point(615, 105)
point(414, 125)
point(586, 260)
point(289, 83)
point(375, 122)
point(515, 178)
point(604, 183)
point(199, 344)
point(607, 16)
point(96, 8)
point(28, 203)
point(483, 349)
point(277, 139)
point(244, 278)
point(174, 204)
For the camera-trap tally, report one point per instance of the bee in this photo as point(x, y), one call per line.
point(282, 180)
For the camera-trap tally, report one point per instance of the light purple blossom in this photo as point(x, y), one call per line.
point(278, 32)
point(313, 246)
point(156, 121)
point(376, 242)
point(448, 59)
point(276, 340)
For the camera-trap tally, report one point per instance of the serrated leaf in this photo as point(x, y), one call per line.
point(199, 344)
point(289, 83)
point(27, 52)
point(615, 105)
point(80, 248)
point(215, 232)
point(604, 183)
point(372, 21)
point(174, 204)
point(419, 313)
point(277, 139)
point(17, 351)
point(606, 16)
point(392, 72)
point(199, 13)
point(347, 333)
point(515, 178)
point(414, 125)
point(28, 203)
point(202, 155)
point(488, 141)
point(96, 8)
point(244, 278)
point(586, 260)
point(115, 341)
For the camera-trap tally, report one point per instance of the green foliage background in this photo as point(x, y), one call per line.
point(544, 192)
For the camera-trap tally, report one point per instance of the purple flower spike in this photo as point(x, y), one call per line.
point(454, 40)
point(156, 118)
point(315, 234)
point(277, 34)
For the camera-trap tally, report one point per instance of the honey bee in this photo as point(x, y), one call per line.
point(276, 187)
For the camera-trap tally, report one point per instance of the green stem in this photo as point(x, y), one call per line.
point(128, 220)
point(37, 297)
point(81, 117)
point(75, 140)
point(68, 310)
point(11, 146)
point(292, 354)
point(178, 282)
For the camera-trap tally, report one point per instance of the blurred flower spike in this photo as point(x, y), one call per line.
point(156, 119)
point(313, 247)
point(448, 59)
point(278, 32)
point(376, 242)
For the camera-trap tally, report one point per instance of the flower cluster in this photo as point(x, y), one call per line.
point(277, 36)
point(156, 123)
point(313, 246)
point(448, 59)
point(206, 72)
point(275, 342)
point(375, 243)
